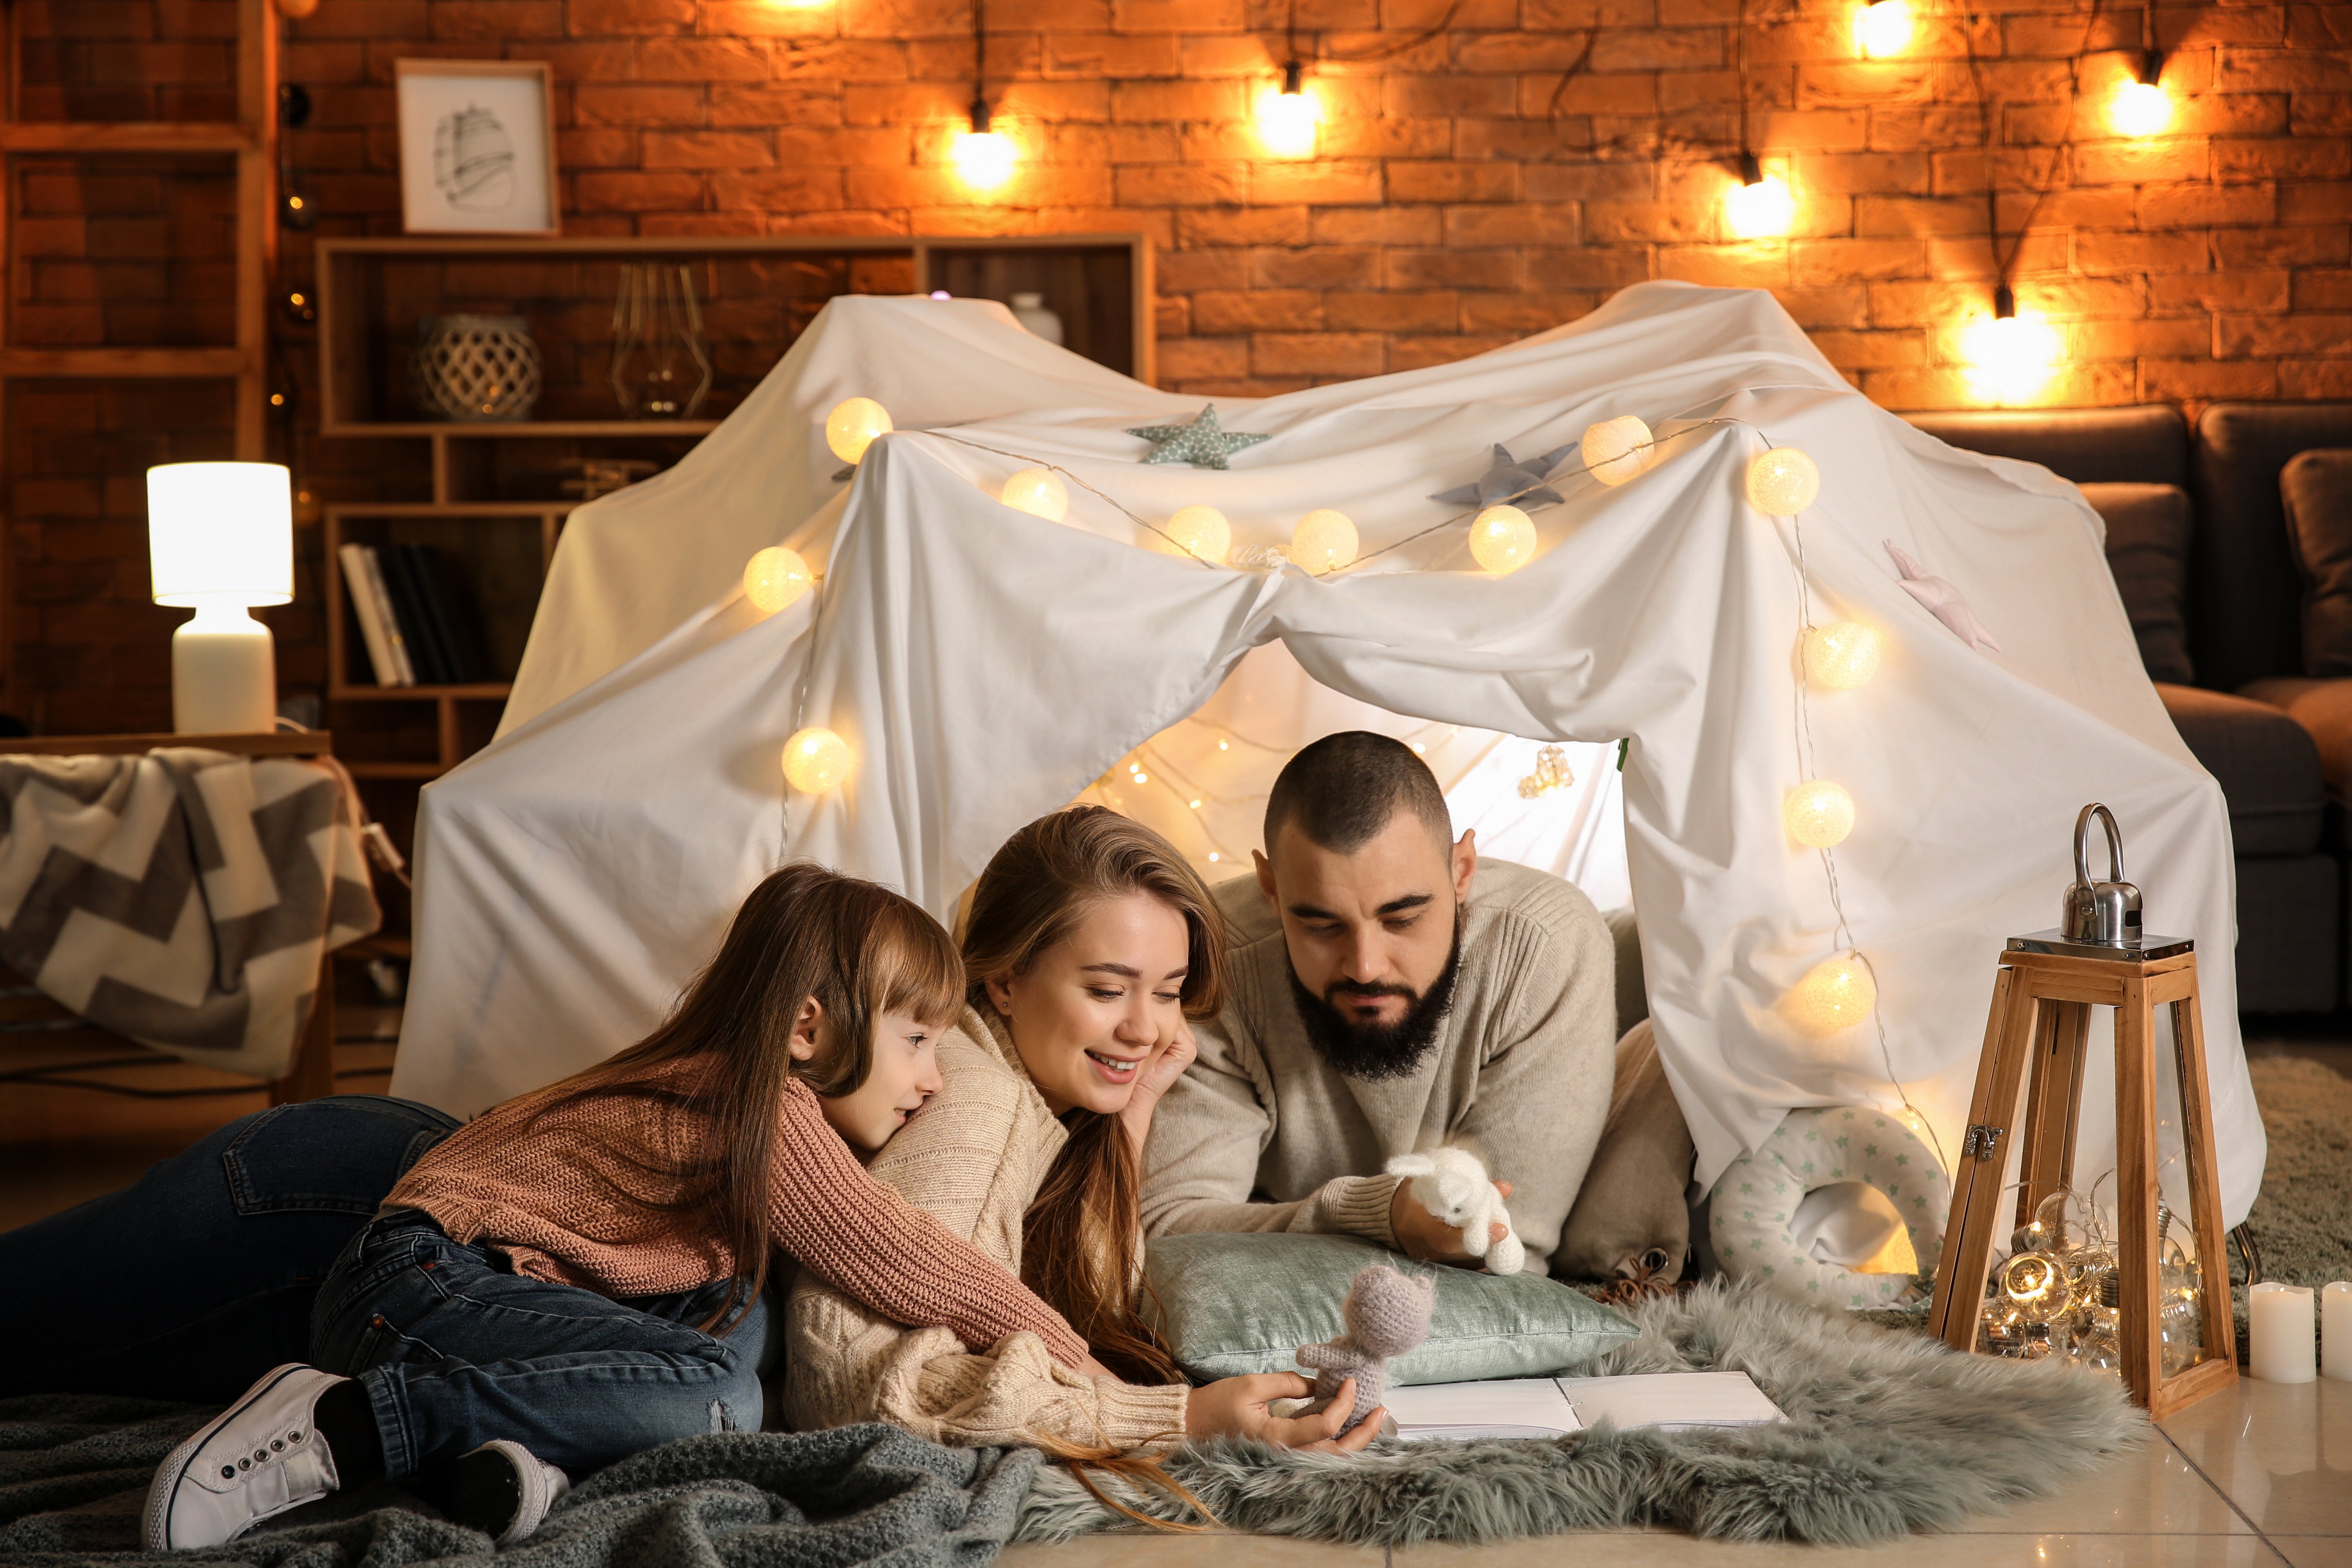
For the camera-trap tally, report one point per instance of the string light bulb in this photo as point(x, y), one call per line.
point(1841, 656)
point(1502, 540)
point(816, 759)
point(983, 158)
point(1783, 481)
point(1037, 491)
point(1202, 530)
point(776, 578)
point(1883, 30)
point(1324, 541)
point(1818, 814)
point(1617, 449)
point(1287, 115)
point(1759, 206)
point(1831, 997)
point(853, 426)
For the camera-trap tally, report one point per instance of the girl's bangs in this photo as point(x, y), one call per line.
point(914, 968)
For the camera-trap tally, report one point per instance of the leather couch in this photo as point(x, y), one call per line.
point(2202, 552)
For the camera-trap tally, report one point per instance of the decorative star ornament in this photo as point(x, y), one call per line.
point(1521, 484)
point(1943, 601)
point(1198, 441)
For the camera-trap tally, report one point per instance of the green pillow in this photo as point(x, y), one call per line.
point(1231, 1304)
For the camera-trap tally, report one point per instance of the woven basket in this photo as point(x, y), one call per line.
point(475, 367)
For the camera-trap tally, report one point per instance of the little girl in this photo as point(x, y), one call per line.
point(577, 1274)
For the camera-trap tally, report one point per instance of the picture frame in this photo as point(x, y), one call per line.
point(476, 147)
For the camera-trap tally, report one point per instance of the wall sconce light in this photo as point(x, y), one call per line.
point(984, 158)
point(2141, 106)
point(1288, 115)
point(1760, 207)
point(2009, 358)
point(1884, 29)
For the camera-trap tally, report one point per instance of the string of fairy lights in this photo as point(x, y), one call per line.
point(1837, 994)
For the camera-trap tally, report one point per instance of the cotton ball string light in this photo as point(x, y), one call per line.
point(776, 577)
point(1783, 481)
point(1038, 491)
point(1818, 814)
point(1617, 449)
point(1841, 656)
point(1324, 541)
point(816, 759)
point(1202, 530)
point(1833, 996)
point(1502, 540)
point(852, 427)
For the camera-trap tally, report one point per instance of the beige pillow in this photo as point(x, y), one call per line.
point(1630, 1221)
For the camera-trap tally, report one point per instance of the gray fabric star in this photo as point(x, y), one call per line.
point(1198, 442)
point(1521, 484)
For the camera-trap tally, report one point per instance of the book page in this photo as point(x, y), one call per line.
point(1672, 1400)
point(1505, 1407)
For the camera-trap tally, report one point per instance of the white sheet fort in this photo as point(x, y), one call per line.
point(986, 666)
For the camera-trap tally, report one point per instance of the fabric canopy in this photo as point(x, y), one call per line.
point(985, 665)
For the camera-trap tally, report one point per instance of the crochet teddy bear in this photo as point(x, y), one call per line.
point(1387, 1314)
point(1452, 1184)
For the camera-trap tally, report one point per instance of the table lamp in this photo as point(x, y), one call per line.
point(220, 540)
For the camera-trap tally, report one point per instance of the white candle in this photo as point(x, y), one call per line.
point(2283, 1324)
point(2335, 1328)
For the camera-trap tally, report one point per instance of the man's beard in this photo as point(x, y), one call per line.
point(1375, 1052)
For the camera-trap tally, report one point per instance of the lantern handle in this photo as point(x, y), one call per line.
point(2082, 845)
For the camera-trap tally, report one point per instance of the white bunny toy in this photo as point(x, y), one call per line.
point(1452, 1184)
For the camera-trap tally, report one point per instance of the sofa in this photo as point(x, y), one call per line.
point(2224, 542)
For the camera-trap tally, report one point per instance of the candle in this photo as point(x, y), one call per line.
point(2282, 1322)
point(2335, 1328)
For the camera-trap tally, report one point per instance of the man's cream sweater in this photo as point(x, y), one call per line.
point(975, 1157)
point(1264, 1134)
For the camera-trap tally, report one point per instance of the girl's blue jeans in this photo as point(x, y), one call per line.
point(454, 1349)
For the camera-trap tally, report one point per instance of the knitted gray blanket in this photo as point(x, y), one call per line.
point(74, 1472)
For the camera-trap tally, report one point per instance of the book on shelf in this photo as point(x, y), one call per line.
point(418, 623)
point(387, 654)
point(1553, 1407)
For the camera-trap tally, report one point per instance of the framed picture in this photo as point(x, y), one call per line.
point(476, 146)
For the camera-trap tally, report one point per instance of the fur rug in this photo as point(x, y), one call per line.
point(1888, 1433)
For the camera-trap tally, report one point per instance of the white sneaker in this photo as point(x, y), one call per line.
point(503, 1480)
point(260, 1458)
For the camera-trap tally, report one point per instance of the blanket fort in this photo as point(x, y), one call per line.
point(986, 666)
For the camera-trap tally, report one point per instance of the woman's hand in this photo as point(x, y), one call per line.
point(1157, 1077)
point(1236, 1407)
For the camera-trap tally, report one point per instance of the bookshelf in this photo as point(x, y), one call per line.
point(492, 505)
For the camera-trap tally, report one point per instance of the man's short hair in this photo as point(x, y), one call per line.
point(1343, 789)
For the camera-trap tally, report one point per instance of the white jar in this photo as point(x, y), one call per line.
point(1029, 309)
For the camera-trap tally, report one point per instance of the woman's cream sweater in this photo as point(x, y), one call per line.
point(975, 1157)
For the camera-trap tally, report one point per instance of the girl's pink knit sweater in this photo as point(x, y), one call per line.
point(547, 1199)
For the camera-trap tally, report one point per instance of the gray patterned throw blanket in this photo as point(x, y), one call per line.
point(183, 897)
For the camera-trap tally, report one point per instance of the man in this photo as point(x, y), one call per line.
point(1388, 993)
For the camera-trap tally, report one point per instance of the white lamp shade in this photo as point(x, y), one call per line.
point(221, 532)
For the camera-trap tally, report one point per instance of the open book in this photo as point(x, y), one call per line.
point(1549, 1406)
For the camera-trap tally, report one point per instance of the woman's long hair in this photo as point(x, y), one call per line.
point(1079, 1238)
point(860, 950)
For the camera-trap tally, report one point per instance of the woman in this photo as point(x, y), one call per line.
point(1089, 944)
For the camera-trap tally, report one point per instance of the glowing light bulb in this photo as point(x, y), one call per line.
point(1502, 540)
point(1286, 119)
point(1832, 996)
point(1202, 530)
point(985, 159)
point(1194, 804)
point(1212, 856)
point(1617, 449)
point(2140, 109)
point(2009, 359)
point(1883, 30)
point(1224, 746)
point(1783, 482)
point(1141, 777)
point(1818, 814)
point(1324, 541)
point(816, 759)
point(1841, 656)
point(776, 577)
point(1038, 491)
point(852, 427)
point(1763, 210)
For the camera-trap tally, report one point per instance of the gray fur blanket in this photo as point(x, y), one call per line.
point(74, 1472)
point(1888, 1433)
